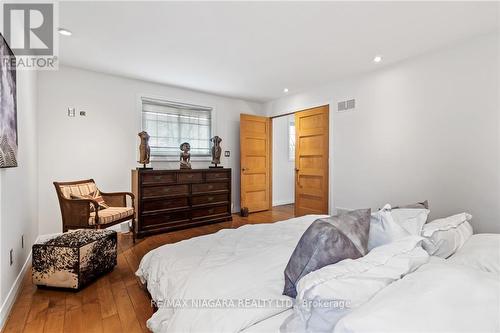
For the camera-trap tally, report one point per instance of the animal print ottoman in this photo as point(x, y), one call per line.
point(74, 259)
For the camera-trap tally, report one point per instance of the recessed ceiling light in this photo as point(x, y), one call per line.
point(285, 90)
point(64, 32)
point(377, 59)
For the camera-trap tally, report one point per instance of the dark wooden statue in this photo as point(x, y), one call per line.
point(144, 149)
point(185, 157)
point(216, 151)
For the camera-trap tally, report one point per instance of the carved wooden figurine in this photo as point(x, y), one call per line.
point(144, 149)
point(185, 156)
point(216, 151)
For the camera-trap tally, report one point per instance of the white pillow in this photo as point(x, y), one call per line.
point(481, 251)
point(411, 219)
point(326, 295)
point(383, 228)
point(445, 236)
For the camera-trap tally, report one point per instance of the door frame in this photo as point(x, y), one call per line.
point(269, 162)
point(270, 145)
point(271, 154)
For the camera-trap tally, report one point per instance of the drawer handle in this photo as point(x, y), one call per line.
point(211, 211)
point(210, 187)
point(210, 198)
point(190, 176)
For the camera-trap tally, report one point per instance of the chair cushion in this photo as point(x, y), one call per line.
point(111, 214)
point(78, 189)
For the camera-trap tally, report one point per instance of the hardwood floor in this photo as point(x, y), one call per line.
point(115, 302)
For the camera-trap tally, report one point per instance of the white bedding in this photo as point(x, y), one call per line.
point(233, 264)
point(481, 251)
point(422, 302)
point(438, 297)
point(270, 325)
point(248, 263)
point(328, 294)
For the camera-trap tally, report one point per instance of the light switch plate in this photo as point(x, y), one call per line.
point(227, 153)
point(71, 112)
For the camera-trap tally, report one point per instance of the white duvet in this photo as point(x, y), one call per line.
point(438, 297)
point(234, 265)
point(329, 293)
point(246, 265)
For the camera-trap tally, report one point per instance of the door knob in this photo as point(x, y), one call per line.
point(296, 170)
point(243, 169)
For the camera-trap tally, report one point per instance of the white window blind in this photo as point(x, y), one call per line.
point(169, 124)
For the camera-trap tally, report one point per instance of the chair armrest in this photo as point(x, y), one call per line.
point(117, 199)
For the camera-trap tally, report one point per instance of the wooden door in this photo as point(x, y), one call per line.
point(255, 171)
point(311, 161)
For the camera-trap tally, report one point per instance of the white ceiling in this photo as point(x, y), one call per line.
point(254, 50)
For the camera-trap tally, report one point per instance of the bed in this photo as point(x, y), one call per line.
point(232, 281)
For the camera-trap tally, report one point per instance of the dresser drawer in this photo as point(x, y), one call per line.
point(152, 221)
point(206, 212)
point(210, 187)
point(168, 200)
point(217, 175)
point(165, 190)
point(190, 177)
point(164, 204)
point(159, 178)
point(209, 199)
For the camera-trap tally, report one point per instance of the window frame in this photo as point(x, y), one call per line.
point(291, 158)
point(173, 101)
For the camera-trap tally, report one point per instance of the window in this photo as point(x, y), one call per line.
point(291, 138)
point(169, 124)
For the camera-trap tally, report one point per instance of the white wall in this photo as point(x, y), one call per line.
point(425, 128)
point(283, 167)
point(18, 197)
point(103, 145)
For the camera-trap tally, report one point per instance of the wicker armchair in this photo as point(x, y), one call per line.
point(85, 213)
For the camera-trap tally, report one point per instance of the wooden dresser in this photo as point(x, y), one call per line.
point(175, 199)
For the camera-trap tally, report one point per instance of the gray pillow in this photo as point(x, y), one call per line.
point(326, 242)
point(418, 205)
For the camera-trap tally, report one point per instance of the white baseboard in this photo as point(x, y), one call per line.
point(282, 202)
point(13, 293)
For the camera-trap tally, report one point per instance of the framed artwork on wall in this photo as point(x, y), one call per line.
point(8, 107)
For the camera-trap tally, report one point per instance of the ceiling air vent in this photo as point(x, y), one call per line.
point(346, 105)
